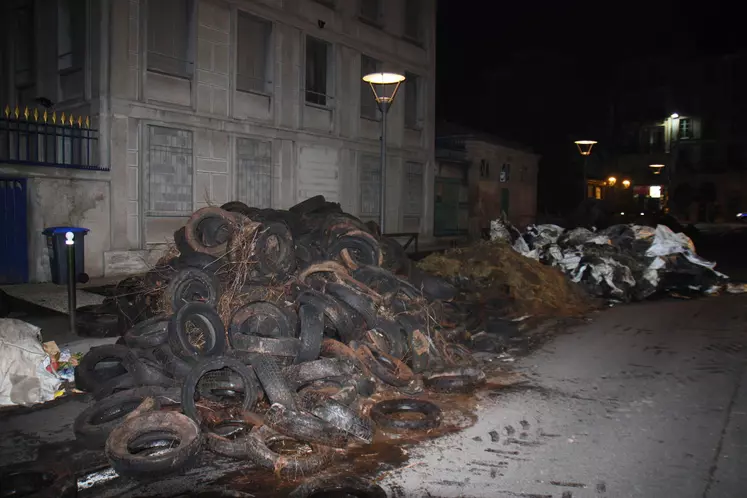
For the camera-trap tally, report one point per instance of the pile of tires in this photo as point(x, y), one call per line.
point(295, 371)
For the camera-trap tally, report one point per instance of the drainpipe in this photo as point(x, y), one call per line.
point(105, 93)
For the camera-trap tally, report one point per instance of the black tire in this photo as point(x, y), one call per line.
point(304, 426)
point(245, 345)
point(89, 378)
point(272, 380)
point(98, 320)
point(148, 334)
point(379, 279)
point(93, 425)
point(115, 385)
point(418, 344)
point(251, 386)
point(238, 207)
point(433, 287)
point(298, 376)
point(358, 301)
point(190, 285)
point(336, 349)
point(275, 250)
point(393, 255)
point(394, 335)
point(183, 430)
point(208, 230)
point(309, 205)
point(461, 380)
point(147, 372)
point(257, 447)
point(362, 250)
point(35, 480)
point(338, 415)
point(384, 366)
point(212, 329)
point(338, 486)
point(199, 260)
point(338, 317)
point(230, 444)
point(175, 367)
point(312, 333)
point(344, 390)
point(180, 241)
point(263, 319)
point(382, 412)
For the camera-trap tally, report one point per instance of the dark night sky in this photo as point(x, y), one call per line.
point(544, 73)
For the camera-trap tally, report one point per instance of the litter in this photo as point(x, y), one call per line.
point(23, 377)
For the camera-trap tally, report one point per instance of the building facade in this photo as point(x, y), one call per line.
point(478, 178)
point(187, 103)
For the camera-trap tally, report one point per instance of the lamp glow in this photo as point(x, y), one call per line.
point(612, 181)
point(674, 115)
point(626, 183)
point(654, 191)
point(584, 146)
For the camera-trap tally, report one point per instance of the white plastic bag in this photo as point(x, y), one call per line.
point(23, 379)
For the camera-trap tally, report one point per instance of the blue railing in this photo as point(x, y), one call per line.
point(43, 139)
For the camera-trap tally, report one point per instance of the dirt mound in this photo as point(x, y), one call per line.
point(495, 274)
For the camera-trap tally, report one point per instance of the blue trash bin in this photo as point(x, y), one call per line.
point(58, 253)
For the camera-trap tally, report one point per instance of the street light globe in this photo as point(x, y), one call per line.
point(656, 168)
point(384, 86)
point(612, 181)
point(584, 146)
point(674, 115)
point(383, 78)
point(626, 183)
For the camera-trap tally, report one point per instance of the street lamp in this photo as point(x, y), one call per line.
point(384, 87)
point(626, 183)
point(656, 168)
point(611, 181)
point(674, 115)
point(584, 148)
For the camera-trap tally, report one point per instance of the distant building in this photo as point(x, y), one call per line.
point(478, 177)
point(171, 105)
point(693, 159)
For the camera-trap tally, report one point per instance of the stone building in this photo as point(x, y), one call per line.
point(177, 104)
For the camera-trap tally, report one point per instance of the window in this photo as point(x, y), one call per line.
point(71, 47)
point(170, 37)
point(370, 185)
point(369, 108)
point(318, 74)
point(484, 169)
point(253, 49)
point(653, 139)
point(413, 196)
point(371, 11)
point(413, 113)
point(413, 23)
point(170, 176)
point(24, 56)
point(505, 172)
point(686, 128)
point(254, 172)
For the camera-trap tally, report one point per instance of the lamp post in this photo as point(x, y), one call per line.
point(584, 148)
point(384, 87)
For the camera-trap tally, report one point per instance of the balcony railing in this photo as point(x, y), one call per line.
point(35, 138)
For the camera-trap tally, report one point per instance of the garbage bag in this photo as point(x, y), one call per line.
point(23, 379)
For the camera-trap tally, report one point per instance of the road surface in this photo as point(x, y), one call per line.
point(648, 400)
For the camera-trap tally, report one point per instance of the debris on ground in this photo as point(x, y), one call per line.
point(277, 337)
point(24, 379)
point(622, 262)
point(494, 274)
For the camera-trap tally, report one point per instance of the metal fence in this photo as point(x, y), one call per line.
point(35, 138)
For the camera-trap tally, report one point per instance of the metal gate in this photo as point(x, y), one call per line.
point(14, 267)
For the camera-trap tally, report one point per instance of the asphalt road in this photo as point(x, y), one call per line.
point(648, 400)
